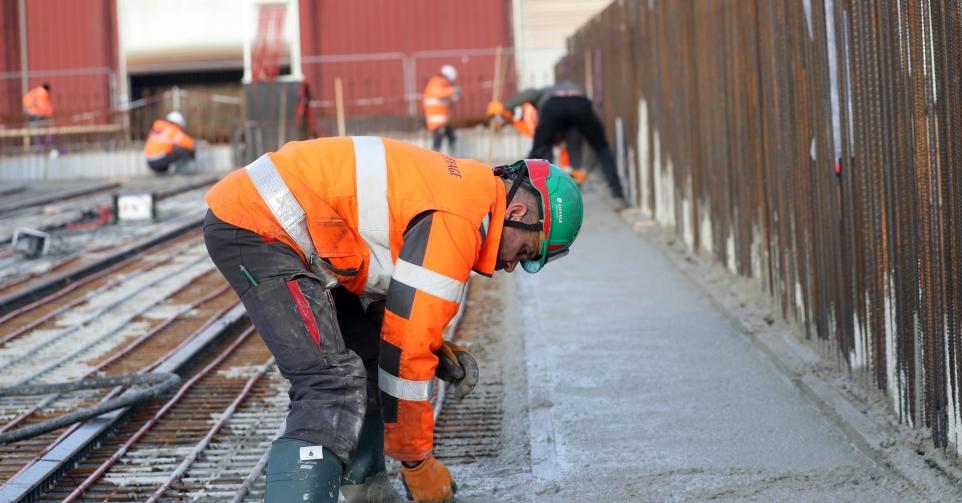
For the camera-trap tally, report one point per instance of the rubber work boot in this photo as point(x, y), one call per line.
point(367, 481)
point(299, 471)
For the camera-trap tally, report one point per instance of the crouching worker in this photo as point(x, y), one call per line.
point(168, 145)
point(351, 255)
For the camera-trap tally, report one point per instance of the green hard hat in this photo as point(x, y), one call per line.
point(562, 210)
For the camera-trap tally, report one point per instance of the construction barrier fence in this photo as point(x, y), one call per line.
point(814, 145)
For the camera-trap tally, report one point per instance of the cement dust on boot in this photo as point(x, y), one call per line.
point(376, 489)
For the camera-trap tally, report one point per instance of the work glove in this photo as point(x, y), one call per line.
point(429, 482)
point(495, 108)
point(458, 367)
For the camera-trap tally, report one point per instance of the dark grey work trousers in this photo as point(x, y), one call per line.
point(439, 134)
point(564, 113)
point(162, 164)
point(323, 341)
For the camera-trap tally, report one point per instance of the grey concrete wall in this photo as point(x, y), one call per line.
point(100, 164)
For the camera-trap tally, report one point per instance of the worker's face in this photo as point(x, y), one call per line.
point(517, 244)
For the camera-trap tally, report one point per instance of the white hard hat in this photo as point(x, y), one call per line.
point(449, 72)
point(176, 118)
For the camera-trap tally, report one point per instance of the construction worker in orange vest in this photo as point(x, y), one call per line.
point(525, 120)
point(37, 105)
point(562, 108)
point(351, 255)
point(168, 145)
point(39, 110)
point(440, 93)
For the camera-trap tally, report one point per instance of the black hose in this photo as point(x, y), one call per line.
point(158, 384)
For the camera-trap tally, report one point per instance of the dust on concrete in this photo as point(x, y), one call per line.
point(906, 457)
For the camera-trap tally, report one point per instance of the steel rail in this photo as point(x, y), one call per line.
point(73, 286)
point(20, 298)
point(36, 348)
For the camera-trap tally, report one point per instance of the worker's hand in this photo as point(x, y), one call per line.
point(457, 366)
point(429, 482)
point(495, 108)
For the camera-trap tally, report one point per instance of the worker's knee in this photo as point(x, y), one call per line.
point(328, 403)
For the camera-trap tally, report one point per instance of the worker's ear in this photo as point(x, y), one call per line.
point(515, 211)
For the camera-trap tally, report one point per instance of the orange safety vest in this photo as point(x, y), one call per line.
point(437, 102)
point(344, 203)
point(528, 121)
point(163, 136)
point(37, 103)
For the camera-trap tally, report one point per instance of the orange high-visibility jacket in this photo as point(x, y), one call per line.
point(360, 196)
point(37, 103)
point(437, 102)
point(163, 136)
point(528, 121)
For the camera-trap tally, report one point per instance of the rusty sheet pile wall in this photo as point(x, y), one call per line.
point(814, 145)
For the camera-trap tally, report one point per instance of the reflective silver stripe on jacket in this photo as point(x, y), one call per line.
point(428, 281)
point(283, 205)
point(402, 388)
point(373, 214)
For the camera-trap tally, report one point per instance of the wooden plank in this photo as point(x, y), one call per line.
point(60, 130)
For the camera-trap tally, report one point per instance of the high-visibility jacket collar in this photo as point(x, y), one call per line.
point(488, 259)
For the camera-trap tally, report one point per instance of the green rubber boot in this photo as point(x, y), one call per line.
point(367, 481)
point(299, 471)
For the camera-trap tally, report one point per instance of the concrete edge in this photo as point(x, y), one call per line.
point(890, 445)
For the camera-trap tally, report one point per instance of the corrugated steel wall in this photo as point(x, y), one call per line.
point(385, 51)
point(733, 116)
point(9, 59)
point(72, 45)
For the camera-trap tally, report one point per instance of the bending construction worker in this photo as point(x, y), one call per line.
point(351, 255)
point(525, 120)
point(440, 93)
point(561, 108)
point(38, 108)
point(168, 144)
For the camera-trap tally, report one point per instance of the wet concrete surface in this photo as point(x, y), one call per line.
point(639, 389)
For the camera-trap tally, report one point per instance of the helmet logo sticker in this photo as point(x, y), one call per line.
point(558, 210)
